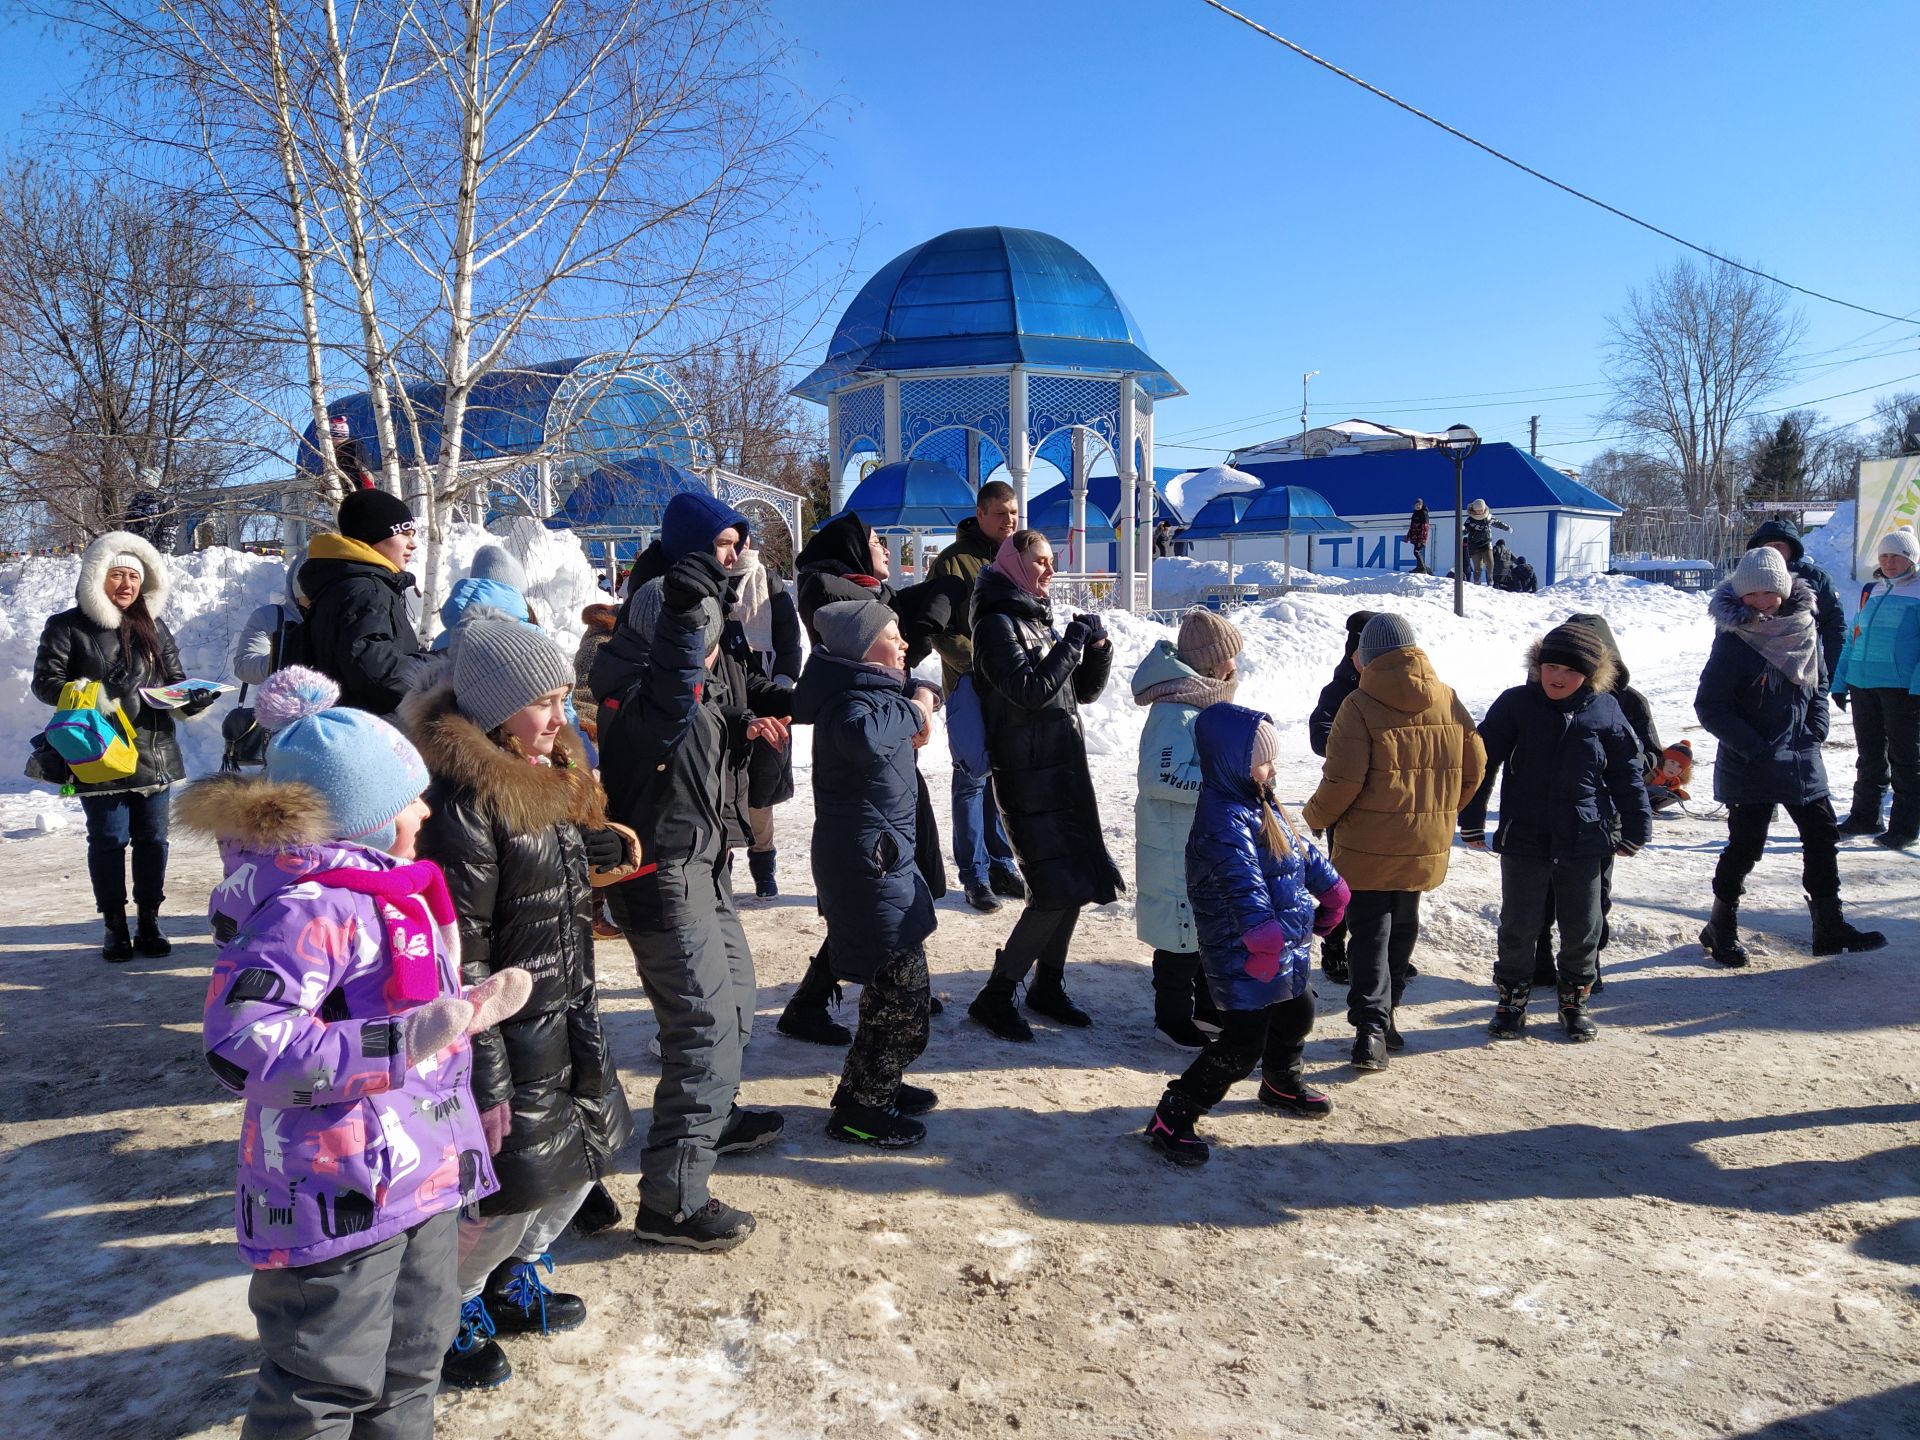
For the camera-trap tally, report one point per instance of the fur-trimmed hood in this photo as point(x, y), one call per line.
point(524, 796)
point(1606, 674)
point(91, 593)
point(257, 815)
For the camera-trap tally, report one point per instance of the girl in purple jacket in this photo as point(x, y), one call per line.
point(336, 1011)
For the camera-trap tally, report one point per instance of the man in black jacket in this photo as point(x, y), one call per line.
point(1829, 616)
point(670, 747)
point(359, 630)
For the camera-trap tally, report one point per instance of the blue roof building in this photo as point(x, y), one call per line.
point(990, 347)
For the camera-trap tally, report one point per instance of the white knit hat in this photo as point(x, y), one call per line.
point(1762, 568)
point(1902, 542)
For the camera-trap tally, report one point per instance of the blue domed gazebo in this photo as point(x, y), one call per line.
point(991, 346)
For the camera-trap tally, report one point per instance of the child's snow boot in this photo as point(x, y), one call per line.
point(716, 1225)
point(887, 1129)
point(1173, 1000)
point(1206, 1014)
point(117, 946)
point(761, 863)
point(1291, 1093)
point(521, 1303)
point(1048, 996)
point(475, 1361)
point(1333, 959)
point(749, 1130)
point(1396, 1042)
point(1510, 1016)
point(914, 1099)
point(1573, 1013)
point(1832, 935)
point(1721, 934)
point(599, 1211)
point(147, 939)
point(1370, 1048)
point(1170, 1131)
point(993, 1007)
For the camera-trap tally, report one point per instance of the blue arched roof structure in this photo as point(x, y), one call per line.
point(983, 296)
point(579, 412)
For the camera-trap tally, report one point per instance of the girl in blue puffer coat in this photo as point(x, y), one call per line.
point(1879, 672)
point(1259, 892)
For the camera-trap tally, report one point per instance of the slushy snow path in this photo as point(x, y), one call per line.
point(1705, 1224)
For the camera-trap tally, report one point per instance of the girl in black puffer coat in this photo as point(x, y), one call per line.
point(114, 634)
point(1032, 682)
point(518, 823)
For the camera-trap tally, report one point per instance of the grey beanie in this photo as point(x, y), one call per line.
point(496, 562)
point(848, 628)
point(1762, 568)
point(1385, 631)
point(644, 614)
point(502, 665)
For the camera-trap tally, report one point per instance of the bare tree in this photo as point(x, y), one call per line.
point(128, 341)
point(1894, 428)
point(1691, 356)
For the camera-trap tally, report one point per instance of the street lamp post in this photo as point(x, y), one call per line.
point(1460, 441)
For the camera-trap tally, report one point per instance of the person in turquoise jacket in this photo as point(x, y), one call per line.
point(1176, 681)
point(1878, 675)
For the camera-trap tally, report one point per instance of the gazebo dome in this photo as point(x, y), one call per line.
point(986, 296)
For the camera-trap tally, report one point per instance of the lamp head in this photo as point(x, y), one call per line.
point(1460, 441)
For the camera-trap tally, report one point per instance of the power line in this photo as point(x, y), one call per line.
point(1523, 167)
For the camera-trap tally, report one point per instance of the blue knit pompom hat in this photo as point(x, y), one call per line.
point(365, 769)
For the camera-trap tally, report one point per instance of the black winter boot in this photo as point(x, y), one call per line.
point(1173, 1000)
point(1170, 1131)
point(1510, 1016)
point(1047, 996)
point(521, 1303)
point(1721, 935)
point(1573, 1013)
point(599, 1211)
point(147, 939)
point(1370, 1048)
point(1005, 881)
point(117, 947)
point(1832, 935)
point(1291, 1093)
point(887, 1129)
point(813, 1024)
point(1206, 1014)
point(993, 1007)
point(760, 864)
point(1333, 959)
point(475, 1361)
point(1864, 818)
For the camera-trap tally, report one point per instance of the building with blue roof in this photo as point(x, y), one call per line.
point(1561, 527)
point(993, 347)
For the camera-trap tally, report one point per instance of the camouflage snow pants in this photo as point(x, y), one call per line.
point(893, 1030)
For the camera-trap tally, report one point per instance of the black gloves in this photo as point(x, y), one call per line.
point(199, 700)
point(606, 849)
point(1079, 633)
point(1840, 700)
point(1096, 628)
point(692, 579)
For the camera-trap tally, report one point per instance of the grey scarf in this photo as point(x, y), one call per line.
point(1198, 691)
point(1789, 643)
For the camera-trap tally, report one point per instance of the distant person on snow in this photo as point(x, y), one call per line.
point(1879, 674)
point(1502, 566)
point(1260, 890)
point(1763, 696)
point(1478, 541)
point(1525, 581)
point(1419, 530)
point(1829, 617)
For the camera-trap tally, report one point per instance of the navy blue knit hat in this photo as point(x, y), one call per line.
point(691, 520)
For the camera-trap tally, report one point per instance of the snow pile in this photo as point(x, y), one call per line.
point(1831, 548)
point(560, 579)
point(1189, 492)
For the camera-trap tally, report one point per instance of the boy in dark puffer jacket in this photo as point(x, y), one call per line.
point(1573, 773)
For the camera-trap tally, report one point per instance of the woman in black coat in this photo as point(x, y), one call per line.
point(1031, 682)
point(518, 822)
point(1763, 695)
point(114, 634)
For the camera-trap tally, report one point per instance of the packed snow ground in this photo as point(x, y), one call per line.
point(1705, 1224)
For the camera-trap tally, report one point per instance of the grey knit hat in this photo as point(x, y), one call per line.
point(1385, 631)
point(496, 562)
point(848, 628)
point(1762, 568)
point(644, 614)
point(501, 665)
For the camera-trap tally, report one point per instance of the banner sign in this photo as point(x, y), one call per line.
point(1889, 498)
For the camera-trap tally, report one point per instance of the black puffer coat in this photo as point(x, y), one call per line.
point(508, 835)
point(769, 770)
point(1573, 771)
point(84, 644)
point(359, 630)
point(1031, 684)
point(1770, 729)
point(865, 822)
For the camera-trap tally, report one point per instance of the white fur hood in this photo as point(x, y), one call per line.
point(91, 593)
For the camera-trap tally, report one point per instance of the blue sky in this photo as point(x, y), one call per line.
point(1262, 217)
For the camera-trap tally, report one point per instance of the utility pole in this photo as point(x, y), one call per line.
point(1533, 435)
point(1303, 414)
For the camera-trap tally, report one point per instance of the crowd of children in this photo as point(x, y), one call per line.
point(406, 996)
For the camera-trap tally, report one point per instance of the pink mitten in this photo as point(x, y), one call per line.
point(1265, 945)
point(497, 998)
point(430, 1028)
point(495, 1121)
point(1332, 908)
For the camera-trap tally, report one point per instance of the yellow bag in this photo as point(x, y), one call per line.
point(92, 734)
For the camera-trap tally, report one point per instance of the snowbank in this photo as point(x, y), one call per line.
point(213, 593)
point(1831, 548)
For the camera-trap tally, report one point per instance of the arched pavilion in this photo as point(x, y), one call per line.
point(995, 346)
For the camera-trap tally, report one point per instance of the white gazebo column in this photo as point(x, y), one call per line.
point(837, 487)
point(1149, 506)
point(1129, 492)
point(897, 547)
point(890, 423)
point(974, 477)
point(1077, 544)
point(1018, 461)
point(543, 488)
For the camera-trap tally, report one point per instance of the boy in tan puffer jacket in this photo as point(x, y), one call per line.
point(1403, 760)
